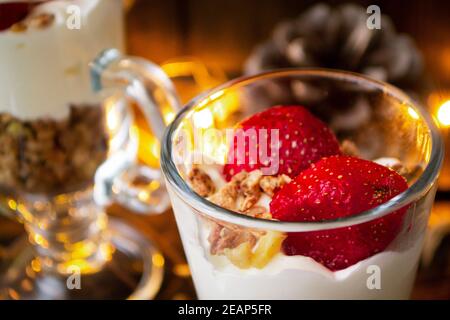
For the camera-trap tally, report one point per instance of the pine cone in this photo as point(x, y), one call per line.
point(339, 38)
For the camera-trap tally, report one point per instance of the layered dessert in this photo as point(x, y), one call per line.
point(315, 178)
point(52, 133)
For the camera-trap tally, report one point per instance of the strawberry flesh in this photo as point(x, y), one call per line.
point(303, 139)
point(337, 187)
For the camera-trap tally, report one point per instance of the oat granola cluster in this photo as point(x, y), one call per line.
point(241, 194)
point(50, 156)
point(244, 247)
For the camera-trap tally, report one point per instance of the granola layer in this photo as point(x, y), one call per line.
point(52, 156)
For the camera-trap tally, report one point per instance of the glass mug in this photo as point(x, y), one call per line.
point(67, 151)
point(380, 120)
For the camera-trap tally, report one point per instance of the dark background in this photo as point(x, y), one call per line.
point(223, 33)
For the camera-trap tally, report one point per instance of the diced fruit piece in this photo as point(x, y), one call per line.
point(241, 256)
point(267, 247)
point(336, 187)
point(303, 139)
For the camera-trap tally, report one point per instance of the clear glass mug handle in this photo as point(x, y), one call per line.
point(143, 82)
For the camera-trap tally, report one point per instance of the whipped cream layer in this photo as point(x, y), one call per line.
point(46, 69)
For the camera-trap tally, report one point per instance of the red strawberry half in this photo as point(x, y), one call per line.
point(335, 187)
point(302, 139)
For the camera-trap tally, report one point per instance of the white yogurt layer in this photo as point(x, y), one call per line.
point(299, 277)
point(45, 70)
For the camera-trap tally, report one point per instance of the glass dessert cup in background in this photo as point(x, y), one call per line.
point(378, 119)
point(77, 252)
point(67, 152)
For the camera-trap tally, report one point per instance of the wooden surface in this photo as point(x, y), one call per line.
point(162, 231)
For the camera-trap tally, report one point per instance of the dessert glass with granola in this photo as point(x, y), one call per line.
point(67, 151)
point(302, 184)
